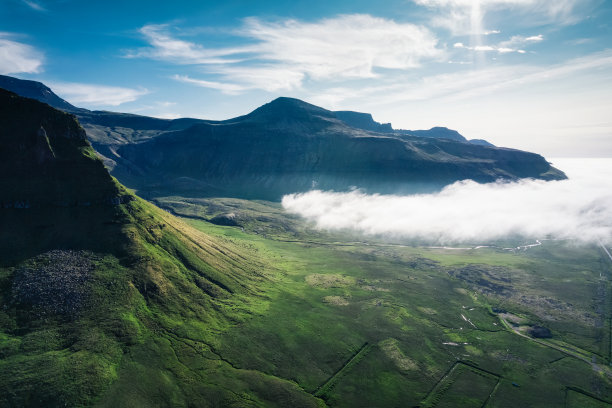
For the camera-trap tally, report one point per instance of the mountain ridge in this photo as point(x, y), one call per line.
point(359, 120)
point(288, 146)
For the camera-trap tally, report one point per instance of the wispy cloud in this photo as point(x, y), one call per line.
point(165, 47)
point(504, 47)
point(34, 5)
point(467, 16)
point(519, 41)
point(579, 208)
point(344, 46)
point(227, 88)
point(17, 57)
point(281, 55)
point(96, 95)
point(472, 83)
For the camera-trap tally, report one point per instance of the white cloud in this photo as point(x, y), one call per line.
point(519, 40)
point(467, 16)
point(240, 79)
point(579, 208)
point(34, 5)
point(95, 95)
point(281, 55)
point(474, 83)
point(345, 46)
point(504, 47)
point(16, 57)
point(227, 88)
point(163, 46)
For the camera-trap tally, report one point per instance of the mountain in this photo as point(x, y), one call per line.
point(481, 142)
point(36, 90)
point(105, 128)
point(436, 133)
point(106, 299)
point(363, 121)
point(289, 146)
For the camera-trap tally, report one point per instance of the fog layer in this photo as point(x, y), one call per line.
point(579, 208)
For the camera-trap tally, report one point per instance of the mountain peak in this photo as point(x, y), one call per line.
point(36, 90)
point(288, 109)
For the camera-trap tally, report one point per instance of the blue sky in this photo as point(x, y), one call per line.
point(529, 74)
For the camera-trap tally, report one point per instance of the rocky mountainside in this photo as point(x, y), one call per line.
point(436, 133)
point(289, 146)
point(363, 121)
point(107, 300)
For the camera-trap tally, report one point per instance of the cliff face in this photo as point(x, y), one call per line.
point(45, 158)
point(363, 121)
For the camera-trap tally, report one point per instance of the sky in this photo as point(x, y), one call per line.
point(528, 74)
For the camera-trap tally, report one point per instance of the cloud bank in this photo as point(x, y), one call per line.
point(579, 208)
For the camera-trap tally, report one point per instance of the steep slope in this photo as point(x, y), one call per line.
point(105, 299)
point(36, 90)
point(288, 146)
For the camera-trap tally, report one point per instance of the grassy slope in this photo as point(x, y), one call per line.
point(143, 327)
point(150, 329)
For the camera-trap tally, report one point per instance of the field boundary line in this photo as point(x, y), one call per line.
point(341, 372)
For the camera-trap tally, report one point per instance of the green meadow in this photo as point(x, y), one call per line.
point(362, 321)
point(254, 307)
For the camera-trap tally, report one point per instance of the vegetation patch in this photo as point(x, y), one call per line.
point(391, 349)
point(327, 281)
point(336, 300)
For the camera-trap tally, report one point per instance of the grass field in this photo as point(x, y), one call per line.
point(420, 311)
point(262, 310)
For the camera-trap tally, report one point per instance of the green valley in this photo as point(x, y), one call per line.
point(115, 301)
point(397, 324)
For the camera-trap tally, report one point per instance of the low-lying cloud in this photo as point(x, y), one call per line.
point(579, 208)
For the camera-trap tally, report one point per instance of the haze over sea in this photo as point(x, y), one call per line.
point(579, 208)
